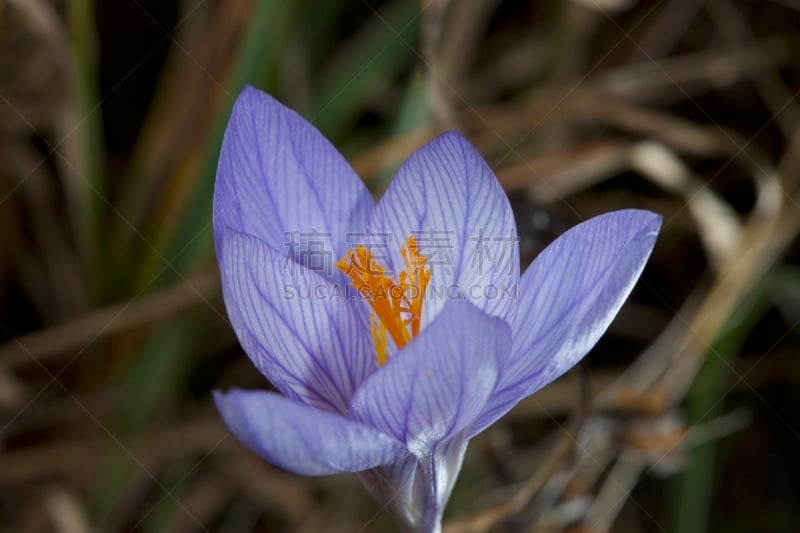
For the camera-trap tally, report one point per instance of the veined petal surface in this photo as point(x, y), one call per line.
point(296, 326)
point(446, 196)
point(280, 180)
point(568, 297)
point(301, 438)
point(436, 386)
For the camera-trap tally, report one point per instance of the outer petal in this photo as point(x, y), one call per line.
point(301, 438)
point(439, 472)
point(296, 326)
point(280, 180)
point(447, 197)
point(439, 383)
point(396, 487)
point(568, 298)
point(416, 490)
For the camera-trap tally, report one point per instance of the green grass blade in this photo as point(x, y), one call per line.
point(89, 130)
point(695, 486)
point(256, 64)
point(366, 65)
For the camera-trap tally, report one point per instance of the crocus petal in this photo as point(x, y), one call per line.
point(439, 472)
point(297, 327)
point(568, 298)
point(446, 196)
point(435, 386)
point(280, 180)
point(415, 490)
point(395, 486)
point(302, 439)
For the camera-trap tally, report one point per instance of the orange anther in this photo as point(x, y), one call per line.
point(395, 305)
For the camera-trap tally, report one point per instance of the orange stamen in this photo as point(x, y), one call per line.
point(395, 305)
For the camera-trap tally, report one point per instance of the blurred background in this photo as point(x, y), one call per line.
point(686, 416)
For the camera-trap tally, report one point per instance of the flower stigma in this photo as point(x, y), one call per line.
point(396, 305)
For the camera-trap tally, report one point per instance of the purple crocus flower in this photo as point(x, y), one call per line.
point(395, 331)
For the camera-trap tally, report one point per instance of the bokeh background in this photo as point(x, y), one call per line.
point(686, 416)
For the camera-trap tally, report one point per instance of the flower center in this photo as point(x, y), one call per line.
point(396, 305)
